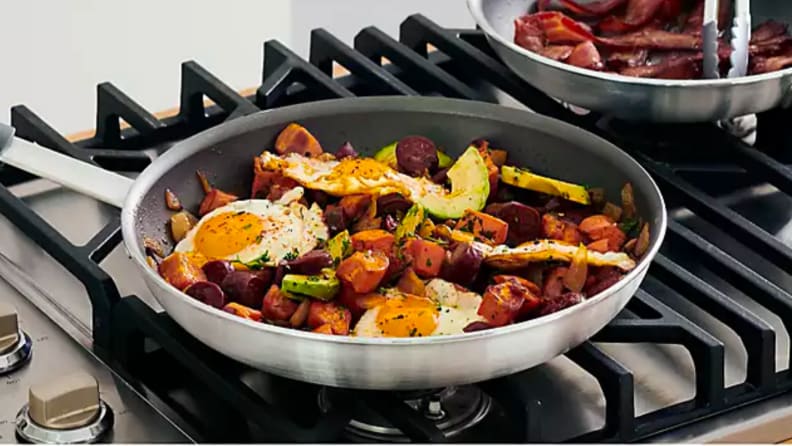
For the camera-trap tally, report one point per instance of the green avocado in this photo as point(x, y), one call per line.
point(339, 247)
point(469, 188)
point(522, 178)
point(387, 155)
point(409, 224)
point(322, 287)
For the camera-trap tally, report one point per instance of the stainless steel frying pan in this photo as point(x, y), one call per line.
point(636, 98)
point(226, 152)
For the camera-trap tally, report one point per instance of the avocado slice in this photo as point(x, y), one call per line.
point(409, 224)
point(469, 188)
point(322, 287)
point(387, 155)
point(444, 160)
point(524, 179)
point(339, 247)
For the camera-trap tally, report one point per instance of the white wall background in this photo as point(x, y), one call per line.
point(56, 51)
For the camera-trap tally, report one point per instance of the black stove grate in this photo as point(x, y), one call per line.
point(462, 66)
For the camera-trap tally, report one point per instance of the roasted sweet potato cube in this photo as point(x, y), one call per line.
point(484, 227)
point(373, 240)
point(181, 270)
point(427, 257)
point(297, 139)
point(363, 271)
point(329, 313)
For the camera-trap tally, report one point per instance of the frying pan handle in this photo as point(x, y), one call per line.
point(71, 173)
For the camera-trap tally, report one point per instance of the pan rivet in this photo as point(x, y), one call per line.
point(433, 409)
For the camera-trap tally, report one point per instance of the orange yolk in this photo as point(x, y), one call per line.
point(407, 316)
point(228, 233)
point(359, 168)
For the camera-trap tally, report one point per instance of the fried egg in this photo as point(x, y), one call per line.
point(257, 231)
point(349, 176)
point(445, 310)
point(506, 258)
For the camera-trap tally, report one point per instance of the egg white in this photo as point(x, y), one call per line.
point(349, 176)
point(291, 229)
point(457, 309)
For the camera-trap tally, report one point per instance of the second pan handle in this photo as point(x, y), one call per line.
point(71, 173)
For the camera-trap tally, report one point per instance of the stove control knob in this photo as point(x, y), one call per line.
point(65, 410)
point(15, 345)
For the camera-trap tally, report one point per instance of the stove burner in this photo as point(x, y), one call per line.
point(452, 409)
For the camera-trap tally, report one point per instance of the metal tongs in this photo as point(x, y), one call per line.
point(740, 38)
point(742, 127)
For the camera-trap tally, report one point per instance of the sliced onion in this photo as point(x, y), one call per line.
point(612, 211)
point(628, 201)
point(642, 245)
point(575, 277)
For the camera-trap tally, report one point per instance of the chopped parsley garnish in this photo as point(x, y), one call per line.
point(292, 255)
point(628, 226)
point(257, 263)
point(247, 226)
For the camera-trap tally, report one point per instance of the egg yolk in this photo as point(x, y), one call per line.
point(365, 168)
point(228, 233)
point(407, 316)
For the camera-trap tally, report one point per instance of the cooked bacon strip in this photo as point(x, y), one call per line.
point(556, 52)
point(671, 9)
point(768, 64)
point(771, 46)
point(585, 55)
point(528, 33)
point(560, 29)
point(675, 67)
point(654, 39)
point(596, 8)
point(767, 31)
point(627, 58)
point(639, 13)
point(696, 17)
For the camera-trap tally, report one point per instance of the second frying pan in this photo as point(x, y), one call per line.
point(633, 98)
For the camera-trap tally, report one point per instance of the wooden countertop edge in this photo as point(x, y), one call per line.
point(338, 71)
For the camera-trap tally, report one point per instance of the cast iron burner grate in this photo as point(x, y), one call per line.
point(696, 270)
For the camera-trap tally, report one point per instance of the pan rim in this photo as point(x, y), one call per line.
point(460, 107)
point(476, 9)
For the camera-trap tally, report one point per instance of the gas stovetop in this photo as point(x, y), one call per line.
point(700, 354)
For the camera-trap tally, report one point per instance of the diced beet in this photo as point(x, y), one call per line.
point(319, 197)
point(555, 304)
point(602, 280)
point(310, 263)
point(392, 203)
point(346, 151)
point(416, 155)
point(335, 219)
point(441, 176)
point(463, 265)
point(208, 293)
point(476, 326)
point(246, 287)
point(275, 306)
point(389, 223)
point(217, 270)
point(277, 276)
point(524, 221)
